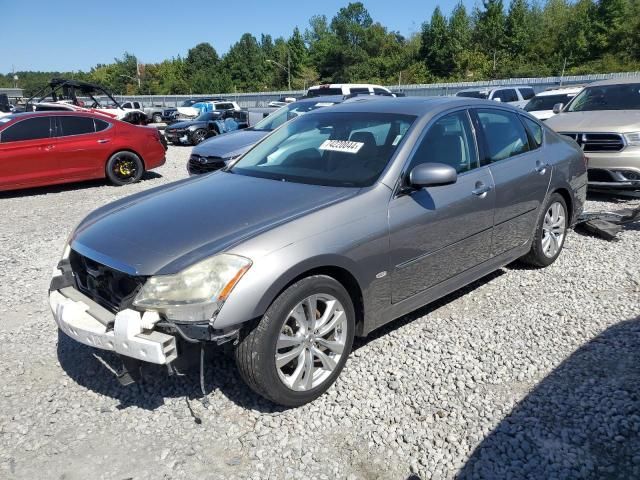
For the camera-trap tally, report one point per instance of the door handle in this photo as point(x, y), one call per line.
point(103, 140)
point(481, 189)
point(541, 168)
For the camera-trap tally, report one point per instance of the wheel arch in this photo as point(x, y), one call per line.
point(340, 269)
point(564, 193)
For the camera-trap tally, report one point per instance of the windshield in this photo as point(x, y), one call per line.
point(547, 102)
point(288, 112)
point(607, 97)
point(205, 117)
point(343, 149)
point(473, 94)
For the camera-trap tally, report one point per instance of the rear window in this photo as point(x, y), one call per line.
point(527, 93)
point(100, 125)
point(318, 92)
point(546, 102)
point(473, 94)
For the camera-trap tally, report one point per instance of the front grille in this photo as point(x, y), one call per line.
point(112, 289)
point(199, 164)
point(597, 142)
point(599, 175)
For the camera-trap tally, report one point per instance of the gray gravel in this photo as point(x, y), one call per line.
point(525, 374)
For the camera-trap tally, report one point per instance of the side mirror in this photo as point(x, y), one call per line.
point(499, 100)
point(557, 108)
point(432, 174)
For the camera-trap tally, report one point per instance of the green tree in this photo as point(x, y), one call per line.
point(435, 45)
point(489, 30)
point(459, 38)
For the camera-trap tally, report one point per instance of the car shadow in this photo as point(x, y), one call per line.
point(95, 369)
point(360, 342)
point(69, 187)
point(580, 421)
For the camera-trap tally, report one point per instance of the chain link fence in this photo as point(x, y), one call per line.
point(262, 99)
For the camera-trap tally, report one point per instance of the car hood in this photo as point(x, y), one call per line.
point(169, 228)
point(230, 144)
point(542, 114)
point(182, 125)
point(188, 111)
point(617, 121)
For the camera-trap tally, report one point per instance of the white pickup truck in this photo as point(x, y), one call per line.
point(154, 114)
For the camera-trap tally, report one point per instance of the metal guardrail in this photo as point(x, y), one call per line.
point(261, 99)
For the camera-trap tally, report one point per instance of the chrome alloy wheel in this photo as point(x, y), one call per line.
point(554, 229)
point(311, 342)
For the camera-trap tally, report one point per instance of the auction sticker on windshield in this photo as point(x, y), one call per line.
point(345, 146)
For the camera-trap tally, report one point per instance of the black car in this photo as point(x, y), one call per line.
point(208, 124)
point(216, 153)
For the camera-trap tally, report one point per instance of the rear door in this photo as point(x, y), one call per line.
point(27, 155)
point(520, 174)
point(83, 152)
point(439, 232)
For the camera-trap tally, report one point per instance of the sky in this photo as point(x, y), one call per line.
point(78, 34)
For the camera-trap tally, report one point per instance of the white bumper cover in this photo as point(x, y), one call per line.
point(131, 335)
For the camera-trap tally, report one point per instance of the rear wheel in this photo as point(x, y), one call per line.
point(124, 168)
point(551, 231)
point(157, 118)
point(297, 350)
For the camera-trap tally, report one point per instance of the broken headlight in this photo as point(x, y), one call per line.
point(633, 139)
point(194, 294)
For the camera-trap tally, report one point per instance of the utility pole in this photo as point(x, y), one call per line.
point(289, 68)
point(563, 69)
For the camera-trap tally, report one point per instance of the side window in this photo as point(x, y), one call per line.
point(527, 93)
point(450, 141)
point(380, 91)
point(76, 126)
point(100, 125)
point(30, 129)
point(504, 135)
point(136, 105)
point(506, 95)
point(535, 131)
point(360, 90)
point(224, 106)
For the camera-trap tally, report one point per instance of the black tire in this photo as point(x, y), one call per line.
point(198, 136)
point(537, 256)
point(124, 168)
point(256, 350)
point(157, 118)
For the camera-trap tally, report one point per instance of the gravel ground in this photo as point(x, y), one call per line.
point(524, 374)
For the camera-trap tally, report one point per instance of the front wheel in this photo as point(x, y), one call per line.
point(198, 136)
point(124, 168)
point(297, 350)
point(551, 231)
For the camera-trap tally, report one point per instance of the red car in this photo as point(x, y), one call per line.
point(46, 148)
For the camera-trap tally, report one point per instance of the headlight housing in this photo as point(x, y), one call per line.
point(194, 294)
point(632, 139)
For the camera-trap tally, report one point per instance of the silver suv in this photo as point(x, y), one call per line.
point(516, 95)
point(604, 119)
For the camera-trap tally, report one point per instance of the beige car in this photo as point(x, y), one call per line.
point(604, 119)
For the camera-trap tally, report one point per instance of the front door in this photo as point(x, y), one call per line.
point(520, 174)
point(439, 232)
point(27, 155)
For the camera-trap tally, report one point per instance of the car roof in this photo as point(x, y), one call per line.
point(322, 98)
point(492, 87)
point(616, 81)
point(57, 113)
point(350, 85)
point(417, 106)
point(559, 91)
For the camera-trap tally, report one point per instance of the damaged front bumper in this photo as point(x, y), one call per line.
point(126, 333)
